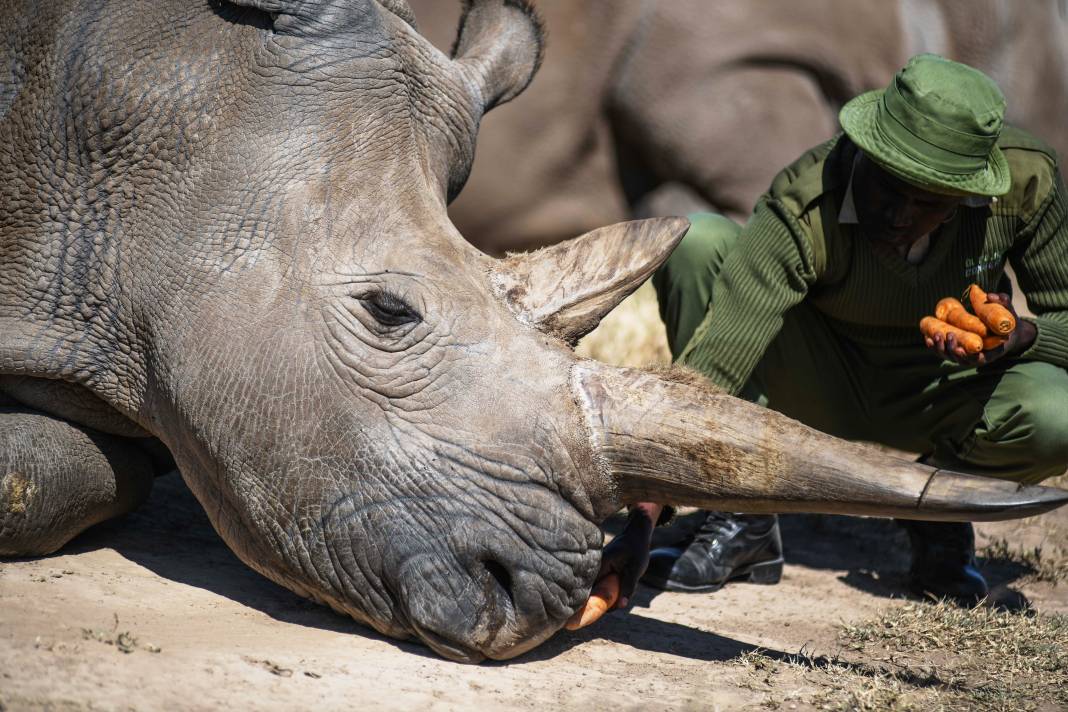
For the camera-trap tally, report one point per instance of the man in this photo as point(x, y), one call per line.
point(813, 309)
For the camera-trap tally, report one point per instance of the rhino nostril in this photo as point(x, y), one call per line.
point(502, 576)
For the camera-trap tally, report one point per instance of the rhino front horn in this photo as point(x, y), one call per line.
point(669, 437)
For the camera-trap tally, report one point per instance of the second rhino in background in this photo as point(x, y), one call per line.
point(652, 108)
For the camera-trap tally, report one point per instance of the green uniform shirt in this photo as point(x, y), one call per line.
point(794, 249)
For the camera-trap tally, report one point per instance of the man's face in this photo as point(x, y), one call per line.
point(893, 210)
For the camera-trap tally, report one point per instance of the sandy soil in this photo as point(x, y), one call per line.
point(204, 632)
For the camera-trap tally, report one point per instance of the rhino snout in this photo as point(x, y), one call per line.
point(484, 596)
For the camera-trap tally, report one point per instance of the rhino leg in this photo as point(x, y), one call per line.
point(57, 479)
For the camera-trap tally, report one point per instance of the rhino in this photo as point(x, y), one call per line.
point(225, 248)
point(686, 105)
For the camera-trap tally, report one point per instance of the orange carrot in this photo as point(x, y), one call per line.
point(602, 597)
point(992, 342)
point(951, 311)
point(997, 318)
point(971, 343)
point(943, 307)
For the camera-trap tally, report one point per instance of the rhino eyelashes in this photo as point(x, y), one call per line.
point(389, 310)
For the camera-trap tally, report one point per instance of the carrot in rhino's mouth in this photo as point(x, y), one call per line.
point(604, 595)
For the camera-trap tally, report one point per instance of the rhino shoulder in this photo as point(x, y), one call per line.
point(1034, 171)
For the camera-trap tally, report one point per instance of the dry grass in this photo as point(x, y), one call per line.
point(993, 659)
point(631, 335)
point(833, 684)
point(923, 656)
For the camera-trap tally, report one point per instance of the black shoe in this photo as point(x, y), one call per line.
point(724, 547)
point(943, 561)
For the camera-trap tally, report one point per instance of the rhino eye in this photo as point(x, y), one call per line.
point(389, 309)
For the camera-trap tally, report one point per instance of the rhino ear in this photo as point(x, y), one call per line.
point(499, 45)
point(322, 17)
point(567, 289)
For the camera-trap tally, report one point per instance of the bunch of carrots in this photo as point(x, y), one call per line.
point(986, 329)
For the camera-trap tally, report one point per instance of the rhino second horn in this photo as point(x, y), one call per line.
point(566, 289)
point(669, 437)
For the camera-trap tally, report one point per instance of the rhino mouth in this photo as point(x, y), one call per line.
point(482, 596)
point(503, 627)
point(447, 648)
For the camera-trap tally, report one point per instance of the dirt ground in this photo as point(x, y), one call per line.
point(153, 612)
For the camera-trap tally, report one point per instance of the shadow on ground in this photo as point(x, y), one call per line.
point(872, 553)
point(172, 537)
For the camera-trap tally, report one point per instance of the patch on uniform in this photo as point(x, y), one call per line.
point(975, 268)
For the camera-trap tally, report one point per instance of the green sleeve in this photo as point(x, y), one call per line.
point(768, 271)
point(1041, 265)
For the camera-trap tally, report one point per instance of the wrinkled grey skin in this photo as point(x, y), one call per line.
point(223, 240)
point(201, 220)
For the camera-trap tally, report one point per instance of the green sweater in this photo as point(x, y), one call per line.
point(793, 249)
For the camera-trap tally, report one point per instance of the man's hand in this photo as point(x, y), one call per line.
point(623, 562)
point(1018, 341)
point(628, 554)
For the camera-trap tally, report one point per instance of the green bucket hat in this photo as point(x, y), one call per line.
point(935, 126)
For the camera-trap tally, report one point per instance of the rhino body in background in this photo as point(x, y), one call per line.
point(659, 107)
point(224, 240)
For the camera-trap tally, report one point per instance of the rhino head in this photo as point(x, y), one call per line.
point(247, 254)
